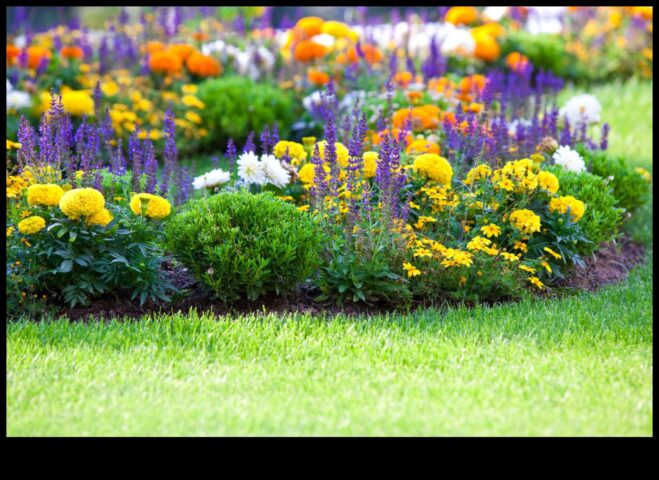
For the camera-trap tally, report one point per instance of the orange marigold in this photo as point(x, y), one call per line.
point(461, 15)
point(203, 65)
point(487, 48)
point(154, 46)
point(317, 77)
point(403, 78)
point(12, 54)
point(371, 54)
point(420, 118)
point(307, 51)
point(473, 84)
point(34, 55)
point(310, 26)
point(72, 51)
point(182, 50)
point(165, 62)
point(517, 61)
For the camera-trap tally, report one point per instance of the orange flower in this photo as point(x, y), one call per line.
point(376, 137)
point(460, 15)
point(203, 65)
point(448, 116)
point(35, 54)
point(420, 118)
point(475, 107)
point(165, 62)
point(492, 29)
point(473, 84)
point(371, 54)
point(307, 51)
point(487, 48)
point(517, 61)
point(414, 96)
point(182, 50)
point(72, 51)
point(317, 77)
point(154, 46)
point(403, 78)
point(200, 36)
point(422, 146)
point(12, 54)
point(310, 26)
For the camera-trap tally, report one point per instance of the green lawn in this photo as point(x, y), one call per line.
point(577, 366)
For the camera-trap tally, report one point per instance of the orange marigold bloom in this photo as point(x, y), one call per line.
point(376, 137)
point(371, 54)
point(317, 77)
point(517, 61)
point(473, 84)
point(72, 51)
point(165, 62)
point(420, 118)
point(403, 78)
point(12, 54)
point(461, 15)
point(422, 146)
point(182, 50)
point(310, 26)
point(203, 65)
point(35, 54)
point(307, 51)
point(200, 36)
point(492, 29)
point(487, 48)
point(448, 116)
point(154, 46)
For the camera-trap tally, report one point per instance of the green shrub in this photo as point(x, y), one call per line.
point(603, 216)
point(236, 105)
point(546, 52)
point(628, 185)
point(244, 245)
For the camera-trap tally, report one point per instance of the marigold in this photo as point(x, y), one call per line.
point(561, 204)
point(47, 195)
point(422, 146)
point(317, 77)
point(101, 218)
point(461, 15)
point(307, 51)
point(403, 78)
point(433, 167)
point(154, 46)
point(203, 65)
point(310, 26)
point(370, 164)
point(31, 225)
point(517, 61)
point(163, 61)
point(341, 152)
point(12, 54)
point(336, 29)
point(72, 51)
point(307, 173)
point(486, 48)
point(295, 150)
point(156, 206)
point(491, 230)
point(548, 181)
point(525, 221)
point(35, 54)
point(182, 50)
point(81, 202)
point(370, 53)
point(411, 270)
point(477, 173)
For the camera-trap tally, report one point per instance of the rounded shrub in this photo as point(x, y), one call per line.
point(243, 246)
point(602, 217)
point(237, 105)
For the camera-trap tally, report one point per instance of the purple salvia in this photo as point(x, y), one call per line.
point(135, 159)
point(249, 144)
point(97, 99)
point(319, 187)
point(170, 152)
point(215, 161)
point(27, 137)
point(231, 154)
point(150, 167)
point(103, 56)
point(566, 138)
point(266, 141)
point(604, 142)
point(275, 133)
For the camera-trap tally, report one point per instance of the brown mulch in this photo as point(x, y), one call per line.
point(608, 265)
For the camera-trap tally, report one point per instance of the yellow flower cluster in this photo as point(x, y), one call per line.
point(81, 202)
point(47, 195)
point(548, 181)
point(477, 173)
point(15, 185)
point(441, 197)
point(155, 206)
point(370, 164)
point(525, 220)
point(100, 218)
point(434, 168)
point(296, 151)
point(31, 225)
point(341, 152)
point(561, 204)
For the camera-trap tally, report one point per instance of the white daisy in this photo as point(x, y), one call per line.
point(569, 159)
point(582, 109)
point(17, 99)
point(274, 172)
point(211, 179)
point(250, 169)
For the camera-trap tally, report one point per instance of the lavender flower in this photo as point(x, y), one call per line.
point(249, 144)
point(150, 167)
point(604, 142)
point(231, 154)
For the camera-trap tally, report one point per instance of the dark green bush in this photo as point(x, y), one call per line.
point(603, 216)
point(628, 185)
point(237, 105)
point(243, 246)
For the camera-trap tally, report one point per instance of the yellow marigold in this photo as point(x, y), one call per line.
point(189, 89)
point(10, 230)
point(15, 185)
point(336, 29)
point(525, 221)
point(422, 146)
point(295, 150)
point(101, 218)
point(370, 164)
point(47, 195)
point(194, 117)
point(433, 167)
point(31, 225)
point(491, 230)
point(477, 173)
point(548, 181)
point(561, 204)
point(341, 152)
point(81, 202)
point(310, 26)
point(411, 270)
point(461, 15)
point(192, 101)
point(307, 173)
point(75, 102)
point(156, 206)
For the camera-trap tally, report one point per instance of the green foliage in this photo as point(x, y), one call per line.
point(629, 187)
point(545, 51)
point(603, 217)
point(236, 105)
point(242, 245)
point(78, 262)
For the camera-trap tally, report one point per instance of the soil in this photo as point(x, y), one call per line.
point(608, 265)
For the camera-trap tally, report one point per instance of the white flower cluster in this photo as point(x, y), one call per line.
point(581, 109)
point(212, 179)
point(17, 99)
point(545, 20)
point(253, 62)
point(569, 159)
point(262, 172)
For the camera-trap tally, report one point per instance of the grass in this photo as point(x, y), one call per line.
point(577, 366)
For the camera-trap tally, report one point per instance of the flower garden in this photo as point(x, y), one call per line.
point(221, 189)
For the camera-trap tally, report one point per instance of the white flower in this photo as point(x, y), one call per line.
point(216, 46)
point(211, 179)
point(495, 13)
point(512, 126)
point(582, 109)
point(460, 41)
point(17, 99)
point(569, 159)
point(9, 87)
point(313, 101)
point(545, 20)
point(274, 172)
point(250, 169)
point(324, 39)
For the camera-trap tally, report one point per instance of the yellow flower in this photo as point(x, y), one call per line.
point(336, 29)
point(192, 101)
point(101, 218)
point(81, 202)
point(422, 252)
point(548, 181)
point(303, 208)
point(341, 152)
point(370, 164)
point(433, 167)
point(10, 230)
point(521, 246)
point(411, 270)
point(110, 88)
point(546, 266)
point(31, 225)
point(295, 150)
point(414, 205)
point(478, 243)
point(190, 88)
point(511, 257)
point(506, 184)
point(15, 145)
point(156, 206)
point(47, 195)
point(155, 134)
point(477, 173)
point(193, 117)
point(308, 142)
point(552, 253)
point(525, 221)
point(491, 230)
point(526, 268)
point(641, 171)
point(423, 220)
point(75, 102)
point(536, 281)
point(561, 204)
